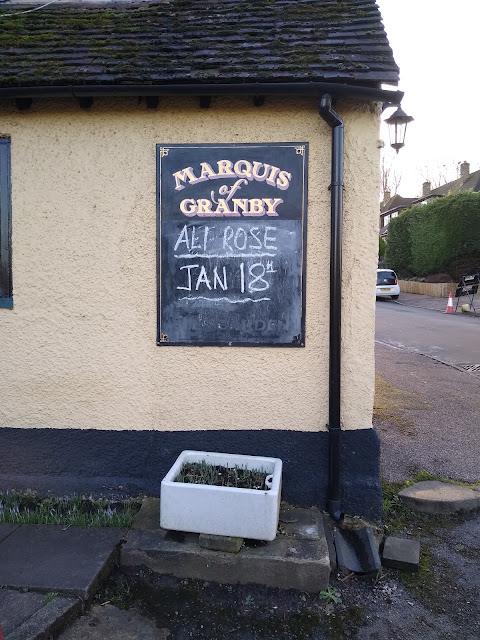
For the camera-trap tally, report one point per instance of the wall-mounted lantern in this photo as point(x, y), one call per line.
point(397, 127)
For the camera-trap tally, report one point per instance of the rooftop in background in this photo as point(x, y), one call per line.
point(395, 203)
point(194, 41)
point(465, 182)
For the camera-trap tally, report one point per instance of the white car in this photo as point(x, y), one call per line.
point(387, 284)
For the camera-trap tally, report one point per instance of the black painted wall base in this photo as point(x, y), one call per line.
point(62, 461)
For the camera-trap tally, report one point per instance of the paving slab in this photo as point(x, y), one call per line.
point(105, 622)
point(34, 616)
point(6, 529)
point(401, 553)
point(439, 498)
point(297, 559)
point(69, 560)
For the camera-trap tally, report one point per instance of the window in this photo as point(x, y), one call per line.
point(6, 299)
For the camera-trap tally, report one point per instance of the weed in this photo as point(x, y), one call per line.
point(49, 597)
point(331, 595)
point(426, 582)
point(249, 600)
point(423, 476)
point(391, 404)
point(121, 595)
point(378, 576)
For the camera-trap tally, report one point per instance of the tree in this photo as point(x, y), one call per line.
point(382, 245)
point(438, 173)
point(391, 177)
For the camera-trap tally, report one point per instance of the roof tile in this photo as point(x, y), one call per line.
point(219, 41)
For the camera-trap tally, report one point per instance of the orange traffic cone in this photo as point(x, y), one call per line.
point(450, 308)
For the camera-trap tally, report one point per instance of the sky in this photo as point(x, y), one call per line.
point(436, 44)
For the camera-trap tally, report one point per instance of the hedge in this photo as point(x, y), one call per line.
point(399, 250)
point(426, 238)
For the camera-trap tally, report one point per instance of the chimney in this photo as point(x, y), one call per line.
point(426, 187)
point(386, 196)
point(464, 170)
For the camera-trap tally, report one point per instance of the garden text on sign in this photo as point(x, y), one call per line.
point(231, 228)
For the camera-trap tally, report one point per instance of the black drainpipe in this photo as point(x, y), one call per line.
point(336, 196)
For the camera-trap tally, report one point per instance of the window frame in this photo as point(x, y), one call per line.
point(6, 286)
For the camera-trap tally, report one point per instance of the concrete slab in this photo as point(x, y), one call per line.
point(439, 498)
point(288, 562)
point(103, 622)
point(296, 522)
point(31, 616)
point(401, 553)
point(70, 560)
point(7, 529)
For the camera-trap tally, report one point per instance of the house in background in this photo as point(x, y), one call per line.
point(392, 206)
point(466, 181)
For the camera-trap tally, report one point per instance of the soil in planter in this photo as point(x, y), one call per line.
point(220, 476)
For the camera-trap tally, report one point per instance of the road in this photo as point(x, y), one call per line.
point(426, 410)
point(454, 339)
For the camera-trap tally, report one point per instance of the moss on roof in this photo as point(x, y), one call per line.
point(175, 41)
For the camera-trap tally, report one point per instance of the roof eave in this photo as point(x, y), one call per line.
point(336, 90)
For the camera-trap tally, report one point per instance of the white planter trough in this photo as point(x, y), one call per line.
point(227, 511)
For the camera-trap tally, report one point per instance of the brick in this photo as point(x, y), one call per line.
point(213, 542)
point(401, 553)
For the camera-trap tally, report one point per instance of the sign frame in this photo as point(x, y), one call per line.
point(300, 149)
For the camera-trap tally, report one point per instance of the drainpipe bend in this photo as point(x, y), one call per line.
point(336, 220)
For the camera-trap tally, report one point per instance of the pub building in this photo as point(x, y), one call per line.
point(188, 241)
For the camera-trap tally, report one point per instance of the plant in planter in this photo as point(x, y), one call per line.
point(223, 494)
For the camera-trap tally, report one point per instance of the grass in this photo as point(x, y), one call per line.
point(391, 404)
point(393, 505)
point(28, 508)
point(397, 517)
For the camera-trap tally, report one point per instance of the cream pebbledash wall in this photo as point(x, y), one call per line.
point(79, 346)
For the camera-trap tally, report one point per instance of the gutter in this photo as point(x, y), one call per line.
point(335, 337)
point(336, 90)
point(355, 547)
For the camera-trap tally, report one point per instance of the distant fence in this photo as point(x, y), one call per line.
point(435, 289)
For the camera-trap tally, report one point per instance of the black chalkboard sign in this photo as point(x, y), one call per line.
point(231, 229)
point(468, 285)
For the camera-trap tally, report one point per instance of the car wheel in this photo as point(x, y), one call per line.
point(395, 297)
